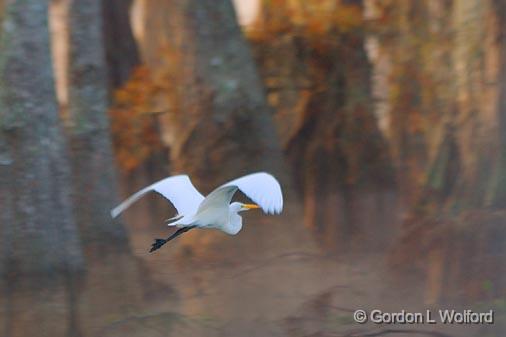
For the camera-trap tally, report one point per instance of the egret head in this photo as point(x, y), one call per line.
point(239, 206)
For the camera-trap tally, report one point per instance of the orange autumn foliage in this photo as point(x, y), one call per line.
point(133, 123)
point(317, 21)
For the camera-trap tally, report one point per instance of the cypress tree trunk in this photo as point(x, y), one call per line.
point(223, 127)
point(40, 243)
point(497, 190)
point(93, 164)
point(319, 83)
point(112, 283)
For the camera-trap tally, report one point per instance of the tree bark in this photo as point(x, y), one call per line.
point(497, 190)
point(93, 165)
point(222, 127)
point(2, 5)
point(40, 231)
point(113, 272)
point(39, 237)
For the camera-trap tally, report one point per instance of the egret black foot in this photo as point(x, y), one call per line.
point(158, 243)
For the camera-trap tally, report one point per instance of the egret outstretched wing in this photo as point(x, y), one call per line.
point(179, 190)
point(260, 187)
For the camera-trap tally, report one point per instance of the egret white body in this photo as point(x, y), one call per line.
point(215, 210)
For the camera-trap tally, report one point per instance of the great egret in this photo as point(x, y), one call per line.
point(215, 210)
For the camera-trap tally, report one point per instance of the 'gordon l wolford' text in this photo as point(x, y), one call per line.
point(445, 316)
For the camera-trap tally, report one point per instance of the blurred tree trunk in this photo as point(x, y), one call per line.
point(113, 271)
point(453, 129)
point(497, 190)
point(455, 96)
point(120, 46)
point(318, 79)
point(340, 158)
point(40, 242)
point(2, 5)
point(411, 105)
point(222, 127)
point(94, 168)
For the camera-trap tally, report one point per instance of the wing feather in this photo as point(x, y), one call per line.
point(219, 197)
point(179, 190)
point(262, 188)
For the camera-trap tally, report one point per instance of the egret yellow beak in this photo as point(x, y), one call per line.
point(250, 206)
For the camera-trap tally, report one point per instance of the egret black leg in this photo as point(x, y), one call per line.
point(160, 242)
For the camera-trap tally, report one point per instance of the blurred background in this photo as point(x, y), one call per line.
point(384, 120)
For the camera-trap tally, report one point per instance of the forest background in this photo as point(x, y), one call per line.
point(384, 120)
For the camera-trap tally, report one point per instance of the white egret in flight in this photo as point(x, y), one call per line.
point(215, 210)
